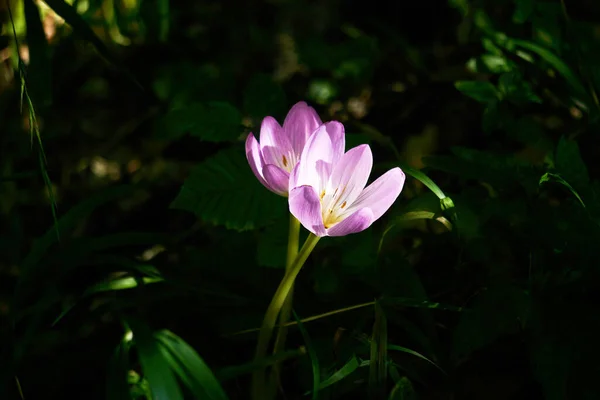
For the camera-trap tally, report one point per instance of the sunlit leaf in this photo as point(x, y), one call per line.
point(223, 190)
point(189, 366)
point(155, 366)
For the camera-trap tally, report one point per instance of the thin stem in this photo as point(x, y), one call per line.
point(266, 330)
point(286, 311)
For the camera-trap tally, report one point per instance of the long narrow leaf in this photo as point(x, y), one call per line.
point(312, 353)
point(155, 367)
point(190, 367)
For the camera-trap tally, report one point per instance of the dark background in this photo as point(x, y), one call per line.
point(126, 201)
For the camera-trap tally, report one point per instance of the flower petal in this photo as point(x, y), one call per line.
point(348, 179)
point(315, 163)
point(305, 206)
point(357, 222)
point(277, 179)
point(274, 144)
point(255, 158)
point(300, 122)
point(381, 194)
point(336, 133)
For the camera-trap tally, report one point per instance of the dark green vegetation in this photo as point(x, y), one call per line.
point(128, 210)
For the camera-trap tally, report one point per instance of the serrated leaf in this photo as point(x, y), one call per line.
point(483, 92)
point(189, 366)
point(569, 163)
point(212, 121)
point(222, 190)
point(155, 366)
point(263, 96)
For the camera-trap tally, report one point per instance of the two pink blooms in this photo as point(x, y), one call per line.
point(305, 160)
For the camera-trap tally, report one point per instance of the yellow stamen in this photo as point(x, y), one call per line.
point(343, 205)
point(285, 162)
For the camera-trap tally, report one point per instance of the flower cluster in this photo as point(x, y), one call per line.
point(305, 160)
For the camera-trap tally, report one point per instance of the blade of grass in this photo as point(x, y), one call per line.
point(190, 367)
point(155, 367)
point(312, 353)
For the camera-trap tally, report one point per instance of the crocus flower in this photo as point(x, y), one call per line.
point(280, 147)
point(327, 188)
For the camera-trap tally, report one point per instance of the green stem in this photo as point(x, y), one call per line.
point(266, 330)
point(286, 311)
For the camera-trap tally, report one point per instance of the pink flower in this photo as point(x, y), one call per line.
point(280, 147)
point(327, 188)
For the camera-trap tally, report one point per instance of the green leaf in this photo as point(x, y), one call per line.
point(351, 365)
point(312, 353)
point(483, 92)
point(212, 121)
point(394, 347)
point(555, 62)
point(570, 165)
point(190, 367)
point(403, 390)
point(548, 177)
point(116, 385)
point(222, 190)
point(40, 67)
point(155, 366)
point(416, 303)
point(514, 88)
point(263, 97)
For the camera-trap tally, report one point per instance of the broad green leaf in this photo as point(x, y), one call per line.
point(116, 381)
point(570, 165)
point(190, 367)
point(222, 190)
point(155, 366)
point(403, 390)
point(40, 67)
point(514, 88)
point(212, 121)
point(483, 92)
point(264, 97)
point(312, 353)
